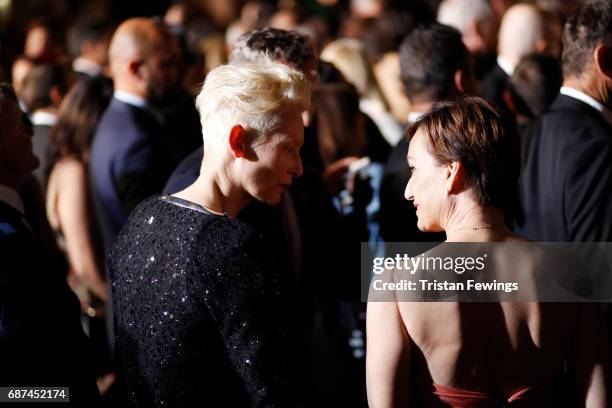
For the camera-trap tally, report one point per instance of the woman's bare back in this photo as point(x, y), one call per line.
point(497, 347)
point(492, 347)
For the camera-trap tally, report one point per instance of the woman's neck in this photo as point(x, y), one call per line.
point(476, 223)
point(214, 191)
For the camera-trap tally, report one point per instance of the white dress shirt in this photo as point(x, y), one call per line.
point(505, 65)
point(581, 96)
point(40, 118)
point(86, 66)
point(139, 102)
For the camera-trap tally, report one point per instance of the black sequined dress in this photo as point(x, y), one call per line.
point(198, 310)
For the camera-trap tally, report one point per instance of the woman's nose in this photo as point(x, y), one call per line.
point(408, 195)
point(297, 168)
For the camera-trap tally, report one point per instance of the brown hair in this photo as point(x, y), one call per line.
point(79, 114)
point(470, 131)
point(338, 114)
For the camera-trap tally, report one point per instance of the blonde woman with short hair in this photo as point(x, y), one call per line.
point(198, 299)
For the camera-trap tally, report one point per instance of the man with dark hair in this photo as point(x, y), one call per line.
point(536, 81)
point(434, 65)
point(88, 42)
point(272, 43)
point(567, 180)
point(43, 87)
point(42, 342)
point(43, 90)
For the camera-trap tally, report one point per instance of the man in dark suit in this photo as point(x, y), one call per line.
point(130, 155)
point(434, 65)
point(41, 339)
point(567, 179)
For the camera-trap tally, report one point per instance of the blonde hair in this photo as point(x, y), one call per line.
point(348, 55)
point(252, 95)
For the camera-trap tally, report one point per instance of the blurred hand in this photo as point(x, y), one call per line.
point(335, 174)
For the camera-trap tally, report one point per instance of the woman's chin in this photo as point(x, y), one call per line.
point(269, 199)
point(428, 227)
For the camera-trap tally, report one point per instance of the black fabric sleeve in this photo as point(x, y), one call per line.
point(244, 298)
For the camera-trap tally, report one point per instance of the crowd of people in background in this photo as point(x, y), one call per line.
point(108, 111)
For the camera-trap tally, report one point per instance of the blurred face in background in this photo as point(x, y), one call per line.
point(161, 70)
point(38, 44)
point(481, 40)
point(20, 69)
point(17, 159)
point(98, 50)
point(367, 8)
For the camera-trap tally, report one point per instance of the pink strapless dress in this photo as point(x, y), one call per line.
point(458, 398)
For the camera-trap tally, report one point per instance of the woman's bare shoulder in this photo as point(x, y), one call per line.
point(69, 170)
point(71, 164)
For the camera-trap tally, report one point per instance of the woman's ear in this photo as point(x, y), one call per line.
point(237, 141)
point(454, 173)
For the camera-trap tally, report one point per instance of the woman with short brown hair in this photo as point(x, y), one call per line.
point(465, 166)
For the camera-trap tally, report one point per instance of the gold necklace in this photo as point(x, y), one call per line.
point(473, 228)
